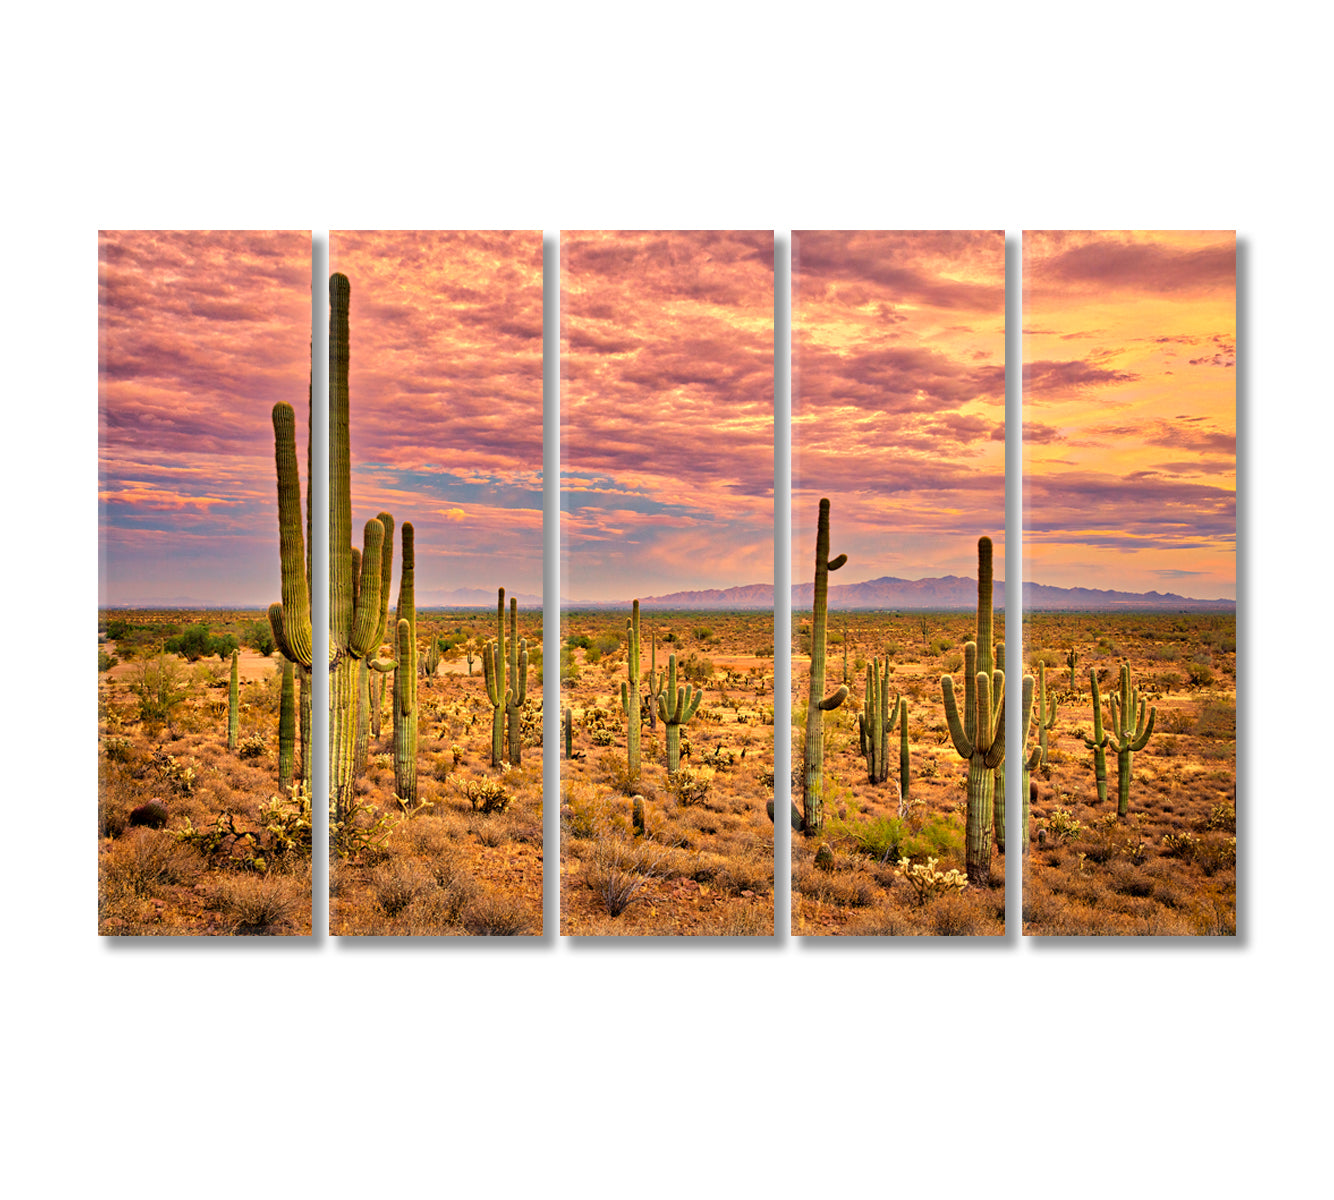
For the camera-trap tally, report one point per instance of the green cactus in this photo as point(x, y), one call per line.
point(493, 670)
point(287, 726)
point(630, 691)
point(998, 785)
point(812, 794)
point(234, 701)
point(432, 657)
point(637, 815)
point(980, 737)
point(1046, 714)
point(517, 692)
point(354, 600)
point(569, 733)
point(364, 701)
point(1070, 659)
point(876, 721)
point(405, 675)
point(1098, 742)
point(657, 680)
point(905, 756)
point(1131, 729)
point(676, 706)
point(1030, 760)
point(290, 618)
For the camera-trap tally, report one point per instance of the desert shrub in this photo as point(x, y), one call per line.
point(939, 836)
point(161, 688)
point(198, 641)
point(485, 795)
point(689, 787)
point(880, 837)
point(578, 641)
point(177, 775)
point(146, 861)
point(259, 636)
point(361, 833)
point(953, 916)
point(396, 884)
point(1177, 720)
point(953, 663)
point(1060, 825)
point(257, 904)
point(605, 643)
point(695, 668)
point(117, 749)
point(496, 916)
point(1222, 816)
point(1216, 854)
point(105, 661)
point(619, 875)
point(251, 746)
point(1200, 673)
point(1180, 845)
point(1218, 719)
point(704, 633)
point(152, 815)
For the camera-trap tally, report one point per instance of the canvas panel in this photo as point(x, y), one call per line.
point(898, 489)
point(435, 692)
point(203, 825)
point(667, 343)
point(1130, 581)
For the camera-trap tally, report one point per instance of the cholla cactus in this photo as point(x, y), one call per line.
point(926, 881)
point(980, 737)
point(812, 794)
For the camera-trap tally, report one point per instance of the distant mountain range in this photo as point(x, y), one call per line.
point(948, 591)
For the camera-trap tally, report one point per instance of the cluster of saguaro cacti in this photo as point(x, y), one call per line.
point(507, 701)
point(234, 701)
point(812, 792)
point(354, 599)
point(980, 736)
point(630, 690)
point(676, 705)
point(365, 702)
point(1132, 725)
point(287, 726)
point(290, 618)
point(876, 721)
point(405, 676)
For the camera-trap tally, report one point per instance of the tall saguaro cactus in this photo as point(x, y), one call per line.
point(354, 603)
point(630, 690)
point(364, 697)
point(290, 618)
point(876, 721)
point(676, 706)
point(980, 737)
point(286, 725)
point(493, 670)
point(405, 675)
point(905, 758)
point(1132, 727)
point(1071, 659)
point(516, 694)
point(998, 788)
point(812, 795)
point(233, 702)
point(1046, 714)
point(1098, 742)
point(657, 680)
point(1030, 759)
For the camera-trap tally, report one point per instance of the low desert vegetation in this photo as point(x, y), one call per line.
point(670, 835)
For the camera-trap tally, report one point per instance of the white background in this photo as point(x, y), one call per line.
point(467, 1069)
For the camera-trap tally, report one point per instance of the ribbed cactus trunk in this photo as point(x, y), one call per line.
point(405, 676)
point(517, 693)
point(1098, 742)
point(493, 671)
point(1132, 727)
point(1029, 760)
point(998, 788)
point(876, 721)
point(354, 598)
point(1046, 715)
point(363, 715)
point(980, 736)
point(656, 681)
point(234, 702)
point(569, 733)
point(676, 706)
point(812, 791)
point(905, 757)
point(377, 702)
point(630, 690)
point(287, 726)
point(1070, 659)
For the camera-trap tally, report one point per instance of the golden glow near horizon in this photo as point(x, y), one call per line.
point(1129, 348)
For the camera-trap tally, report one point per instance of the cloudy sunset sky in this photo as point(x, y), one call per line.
point(1130, 417)
point(667, 410)
point(199, 334)
point(898, 400)
point(445, 387)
